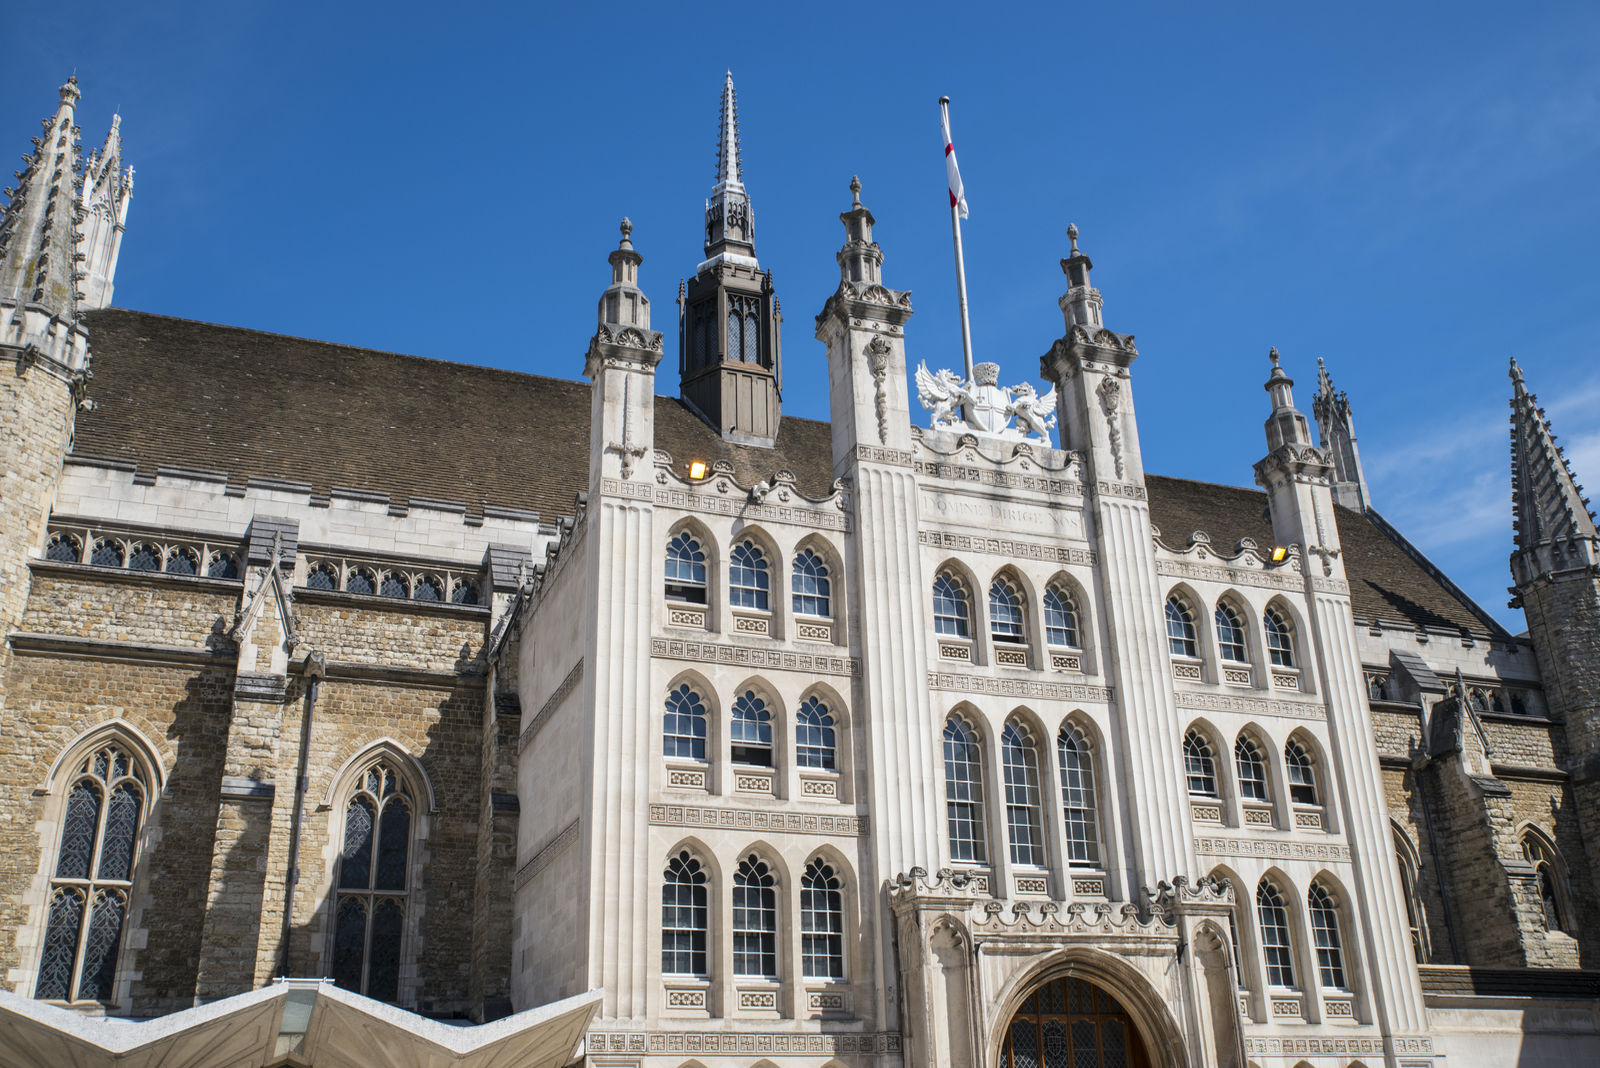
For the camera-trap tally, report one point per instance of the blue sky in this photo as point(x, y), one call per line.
point(1406, 190)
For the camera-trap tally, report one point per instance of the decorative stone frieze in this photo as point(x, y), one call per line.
point(1250, 706)
point(739, 1042)
point(759, 819)
point(1010, 548)
point(754, 657)
point(982, 684)
point(1271, 848)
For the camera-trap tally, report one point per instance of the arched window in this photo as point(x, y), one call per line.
point(1230, 633)
point(182, 560)
point(374, 868)
point(1302, 776)
point(222, 566)
point(963, 787)
point(949, 606)
point(107, 552)
point(1199, 764)
point(685, 917)
point(1078, 803)
point(1252, 769)
point(821, 922)
point(1551, 876)
point(810, 587)
point(686, 570)
point(63, 548)
point(1280, 639)
point(145, 557)
point(361, 580)
point(93, 877)
point(1405, 856)
point(755, 920)
point(1274, 920)
point(322, 577)
point(1325, 932)
point(463, 592)
point(748, 581)
point(1005, 613)
point(393, 585)
point(683, 726)
point(1060, 619)
point(752, 731)
point(814, 742)
point(428, 588)
point(1181, 637)
point(1020, 761)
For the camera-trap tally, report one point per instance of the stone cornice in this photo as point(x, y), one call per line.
point(32, 643)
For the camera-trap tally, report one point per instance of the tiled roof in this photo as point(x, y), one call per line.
point(254, 405)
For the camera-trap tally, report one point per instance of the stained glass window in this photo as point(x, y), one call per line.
point(810, 585)
point(822, 922)
point(373, 884)
point(93, 878)
point(684, 917)
point(963, 786)
point(814, 738)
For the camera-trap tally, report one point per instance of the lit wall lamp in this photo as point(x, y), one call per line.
point(697, 469)
point(1279, 554)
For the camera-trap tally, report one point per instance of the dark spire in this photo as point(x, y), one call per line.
point(1548, 507)
point(39, 231)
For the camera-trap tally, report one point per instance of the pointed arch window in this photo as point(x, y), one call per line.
point(950, 612)
point(815, 742)
point(64, 548)
point(755, 920)
point(1550, 875)
point(92, 881)
point(683, 725)
point(1019, 759)
point(1252, 769)
point(1273, 917)
point(752, 731)
point(1230, 634)
point(744, 329)
point(1302, 775)
point(1199, 764)
point(963, 787)
point(685, 916)
point(373, 885)
point(1182, 639)
point(1325, 932)
point(822, 922)
point(1405, 856)
point(810, 588)
point(1060, 619)
point(686, 570)
point(748, 581)
point(1005, 613)
point(222, 566)
point(1078, 803)
point(1280, 638)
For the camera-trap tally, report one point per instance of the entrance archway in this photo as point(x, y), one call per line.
point(1071, 1023)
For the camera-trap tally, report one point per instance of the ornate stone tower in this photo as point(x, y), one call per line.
point(729, 348)
point(1336, 430)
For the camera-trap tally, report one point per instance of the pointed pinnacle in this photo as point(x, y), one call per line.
point(855, 191)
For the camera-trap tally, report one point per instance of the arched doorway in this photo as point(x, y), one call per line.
point(1071, 1023)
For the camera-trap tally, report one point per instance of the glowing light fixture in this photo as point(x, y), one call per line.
point(697, 469)
point(1279, 554)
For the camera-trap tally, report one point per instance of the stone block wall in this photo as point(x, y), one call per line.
point(109, 604)
point(36, 410)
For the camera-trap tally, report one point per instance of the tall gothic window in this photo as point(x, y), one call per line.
point(1406, 859)
point(1060, 619)
point(685, 916)
point(1302, 776)
point(686, 570)
point(744, 329)
point(755, 920)
point(1325, 932)
point(810, 588)
point(751, 731)
point(372, 896)
point(1230, 633)
point(1078, 803)
point(1005, 613)
point(683, 725)
point(1020, 761)
point(814, 739)
point(963, 787)
point(1274, 919)
point(1182, 639)
point(822, 922)
point(93, 877)
point(748, 581)
point(1252, 769)
point(1280, 639)
point(950, 612)
point(1199, 764)
point(1551, 877)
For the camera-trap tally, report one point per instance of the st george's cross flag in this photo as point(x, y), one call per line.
point(958, 195)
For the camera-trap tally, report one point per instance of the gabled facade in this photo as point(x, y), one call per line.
point(783, 742)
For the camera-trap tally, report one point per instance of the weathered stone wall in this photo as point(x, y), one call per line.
point(110, 604)
point(498, 811)
point(401, 634)
point(36, 410)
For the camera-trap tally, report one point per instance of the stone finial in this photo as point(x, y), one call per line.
point(1072, 236)
point(1272, 354)
point(855, 191)
point(627, 232)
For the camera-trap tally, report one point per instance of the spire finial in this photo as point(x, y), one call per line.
point(855, 191)
point(1072, 236)
point(1516, 372)
point(1272, 354)
point(627, 232)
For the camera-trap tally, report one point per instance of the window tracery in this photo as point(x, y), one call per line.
point(685, 916)
point(683, 727)
point(1060, 619)
point(815, 739)
point(1273, 917)
point(950, 610)
point(1005, 613)
point(1325, 933)
point(809, 586)
point(755, 920)
point(685, 569)
point(751, 731)
point(1230, 634)
point(822, 922)
point(748, 580)
point(1182, 638)
point(373, 885)
point(1020, 762)
point(1200, 766)
point(1079, 805)
point(963, 785)
point(1252, 768)
point(1280, 638)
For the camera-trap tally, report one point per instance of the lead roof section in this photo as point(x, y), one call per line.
point(248, 404)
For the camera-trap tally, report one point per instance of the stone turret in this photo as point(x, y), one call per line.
point(1336, 432)
point(107, 191)
point(621, 362)
point(732, 362)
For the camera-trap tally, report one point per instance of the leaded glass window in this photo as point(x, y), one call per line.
point(748, 581)
point(1005, 613)
point(949, 606)
point(106, 553)
point(182, 560)
point(463, 592)
point(1060, 619)
point(1252, 769)
point(810, 586)
point(755, 920)
point(1230, 634)
point(1199, 765)
point(1302, 776)
point(222, 566)
point(814, 737)
point(1019, 760)
point(751, 731)
point(93, 877)
point(1280, 639)
point(428, 588)
point(1078, 803)
point(361, 580)
point(686, 570)
point(744, 329)
point(64, 548)
point(322, 577)
point(963, 787)
point(1549, 875)
point(393, 585)
point(1325, 933)
point(145, 557)
point(821, 922)
point(1274, 919)
point(1182, 639)
point(685, 912)
point(683, 726)
point(373, 885)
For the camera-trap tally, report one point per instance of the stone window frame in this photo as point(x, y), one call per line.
point(706, 860)
point(1274, 969)
point(1543, 855)
point(154, 762)
point(1228, 616)
point(970, 724)
point(413, 575)
point(1409, 861)
point(1069, 609)
point(1275, 621)
point(204, 551)
point(1202, 738)
point(335, 803)
point(1023, 783)
point(1183, 632)
point(1085, 740)
point(964, 621)
point(679, 592)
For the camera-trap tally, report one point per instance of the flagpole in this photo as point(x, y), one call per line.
point(961, 268)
